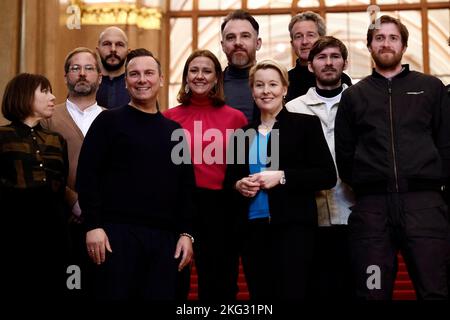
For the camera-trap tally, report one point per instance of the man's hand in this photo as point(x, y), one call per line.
point(97, 243)
point(184, 245)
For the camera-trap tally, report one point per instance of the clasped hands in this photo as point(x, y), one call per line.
point(249, 186)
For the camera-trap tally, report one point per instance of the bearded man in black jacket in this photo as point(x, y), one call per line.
point(393, 147)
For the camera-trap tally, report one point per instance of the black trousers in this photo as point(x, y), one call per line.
point(414, 223)
point(141, 265)
point(34, 247)
point(332, 276)
point(277, 260)
point(78, 256)
point(215, 251)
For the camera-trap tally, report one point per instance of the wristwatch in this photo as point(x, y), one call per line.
point(283, 179)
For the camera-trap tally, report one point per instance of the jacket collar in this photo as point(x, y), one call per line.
point(402, 74)
point(24, 130)
point(280, 117)
point(311, 97)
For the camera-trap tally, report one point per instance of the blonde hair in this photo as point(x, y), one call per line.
point(269, 64)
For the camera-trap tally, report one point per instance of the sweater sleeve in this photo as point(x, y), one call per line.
point(186, 205)
point(93, 154)
point(236, 163)
point(345, 139)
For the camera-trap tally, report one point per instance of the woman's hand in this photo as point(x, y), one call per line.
point(268, 179)
point(247, 186)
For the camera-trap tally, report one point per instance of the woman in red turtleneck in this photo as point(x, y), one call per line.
point(208, 123)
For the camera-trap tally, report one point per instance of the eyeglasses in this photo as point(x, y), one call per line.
point(308, 36)
point(89, 68)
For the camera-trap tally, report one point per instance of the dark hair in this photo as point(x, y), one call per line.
point(308, 16)
point(388, 19)
point(75, 51)
point(240, 15)
point(326, 42)
point(141, 52)
point(17, 103)
point(216, 94)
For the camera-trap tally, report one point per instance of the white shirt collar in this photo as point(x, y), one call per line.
point(92, 108)
point(83, 119)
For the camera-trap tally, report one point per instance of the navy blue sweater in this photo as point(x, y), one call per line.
point(238, 93)
point(126, 175)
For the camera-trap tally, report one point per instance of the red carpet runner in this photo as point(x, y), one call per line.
point(403, 289)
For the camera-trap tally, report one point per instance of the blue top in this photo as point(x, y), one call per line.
point(259, 205)
point(112, 93)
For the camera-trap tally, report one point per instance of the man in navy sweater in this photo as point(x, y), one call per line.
point(135, 199)
point(240, 41)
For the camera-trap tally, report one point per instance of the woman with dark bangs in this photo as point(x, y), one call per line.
point(33, 171)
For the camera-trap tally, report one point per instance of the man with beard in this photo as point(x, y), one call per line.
point(240, 41)
point(72, 120)
point(112, 49)
point(326, 61)
point(393, 148)
point(305, 29)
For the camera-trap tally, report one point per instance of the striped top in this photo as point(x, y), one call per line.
point(32, 158)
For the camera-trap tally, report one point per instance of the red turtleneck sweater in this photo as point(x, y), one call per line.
point(208, 151)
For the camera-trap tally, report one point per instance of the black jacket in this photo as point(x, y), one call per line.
point(394, 135)
point(306, 160)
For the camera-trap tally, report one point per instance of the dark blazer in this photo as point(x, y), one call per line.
point(306, 160)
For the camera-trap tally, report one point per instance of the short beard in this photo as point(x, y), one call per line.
point(72, 89)
point(241, 61)
point(112, 67)
point(329, 81)
point(387, 64)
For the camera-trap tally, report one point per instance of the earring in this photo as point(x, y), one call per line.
point(186, 88)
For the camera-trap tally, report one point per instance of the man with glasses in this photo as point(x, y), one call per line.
point(72, 120)
point(305, 29)
point(112, 49)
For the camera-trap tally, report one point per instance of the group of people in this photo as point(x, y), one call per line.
point(309, 180)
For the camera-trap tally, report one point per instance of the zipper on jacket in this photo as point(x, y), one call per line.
point(391, 113)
